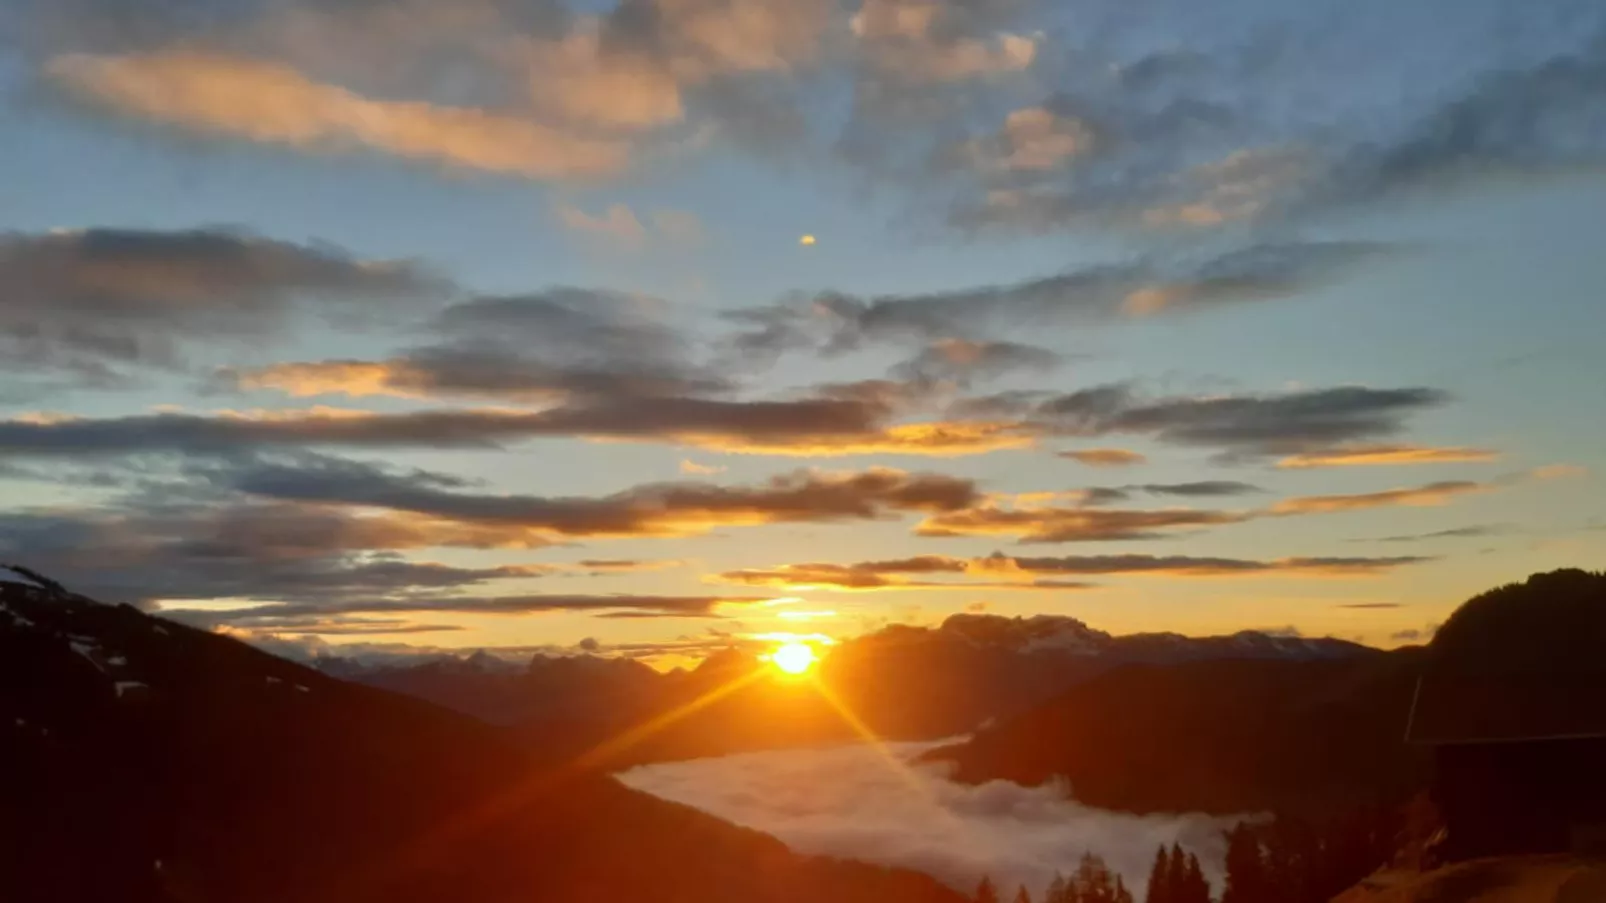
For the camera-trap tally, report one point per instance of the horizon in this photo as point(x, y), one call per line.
point(562, 326)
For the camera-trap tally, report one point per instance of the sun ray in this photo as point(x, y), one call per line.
point(417, 855)
point(874, 741)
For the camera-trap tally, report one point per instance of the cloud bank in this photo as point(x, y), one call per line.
point(854, 803)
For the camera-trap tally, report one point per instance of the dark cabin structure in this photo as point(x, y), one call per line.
point(1512, 702)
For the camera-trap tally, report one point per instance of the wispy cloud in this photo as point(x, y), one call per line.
point(692, 468)
point(628, 565)
point(313, 617)
point(556, 345)
point(999, 571)
point(835, 321)
point(620, 225)
point(1207, 136)
point(1428, 495)
point(661, 509)
point(1258, 118)
point(921, 41)
point(1383, 455)
point(273, 103)
point(1050, 524)
point(1031, 519)
point(1470, 532)
point(810, 427)
point(99, 304)
point(1240, 425)
point(1104, 457)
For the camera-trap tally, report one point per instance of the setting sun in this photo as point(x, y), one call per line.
point(793, 658)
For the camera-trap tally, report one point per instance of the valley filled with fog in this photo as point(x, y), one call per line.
point(880, 805)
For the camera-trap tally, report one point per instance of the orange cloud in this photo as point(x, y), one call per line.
point(1559, 472)
point(710, 37)
point(1104, 457)
point(627, 565)
point(1071, 524)
point(909, 39)
point(578, 80)
point(650, 510)
point(1033, 139)
point(1019, 573)
point(1237, 187)
point(938, 439)
point(1432, 494)
point(1380, 455)
point(795, 428)
point(272, 103)
point(356, 379)
point(688, 466)
point(619, 224)
point(865, 577)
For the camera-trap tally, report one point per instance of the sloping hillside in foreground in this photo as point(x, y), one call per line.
point(147, 762)
point(1525, 879)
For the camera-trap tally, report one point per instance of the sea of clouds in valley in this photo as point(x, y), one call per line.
point(860, 803)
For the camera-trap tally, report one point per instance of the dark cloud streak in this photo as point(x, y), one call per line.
point(834, 322)
point(94, 303)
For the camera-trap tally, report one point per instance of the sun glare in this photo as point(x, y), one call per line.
point(793, 658)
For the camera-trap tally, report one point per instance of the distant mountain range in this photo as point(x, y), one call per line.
point(901, 683)
point(1221, 736)
point(148, 762)
point(1310, 727)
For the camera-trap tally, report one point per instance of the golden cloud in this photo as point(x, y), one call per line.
point(1004, 572)
point(272, 103)
point(1048, 524)
point(1382, 455)
point(1104, 457)
point(1432, 494)
point(936, 439)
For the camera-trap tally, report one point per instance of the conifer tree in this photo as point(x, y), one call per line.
point(985, 892)
point(1194, 888)
point(1122, 895)
point(1246, 868)
point(1023, 895)
point(1092, 882)
point(1160, 888)
point(1177, 873)
point(1057, 890)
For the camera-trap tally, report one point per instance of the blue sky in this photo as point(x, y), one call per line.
point(250, 250)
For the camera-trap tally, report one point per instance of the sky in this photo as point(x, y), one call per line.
point(643, 327)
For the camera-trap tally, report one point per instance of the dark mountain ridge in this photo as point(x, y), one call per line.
point(905, 683)
point(149, 761)
point(1224, 736)
point(1313, 736)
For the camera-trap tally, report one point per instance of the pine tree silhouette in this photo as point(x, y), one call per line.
point(1246, 868)
point(1160, 888)
point(986, 892)
point(1093, 882)
point(1194, 888)
point(1023, 895)
point(1058, 890)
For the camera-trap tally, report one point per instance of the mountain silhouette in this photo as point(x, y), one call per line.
point(1225, 736)
point(902, 682)
point(1313, 736)
point(149, 762)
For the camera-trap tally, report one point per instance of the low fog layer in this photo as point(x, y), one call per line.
point(853, 802)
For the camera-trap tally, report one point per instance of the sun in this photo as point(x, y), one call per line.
point(793, 658)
